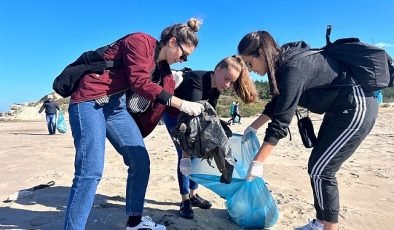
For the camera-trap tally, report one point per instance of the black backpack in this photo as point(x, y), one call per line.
point(371, 66)
point(89, 62)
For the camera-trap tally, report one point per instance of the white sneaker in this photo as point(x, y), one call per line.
point(147, 223)
point(313, 225)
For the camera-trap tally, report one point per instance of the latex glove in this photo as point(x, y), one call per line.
point(178, 77)
point(185, 166)
point(255, 170)
point(191, 108)
point(248, 130)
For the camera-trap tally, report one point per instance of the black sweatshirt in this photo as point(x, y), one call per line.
point(315, 82)
point(196, 85)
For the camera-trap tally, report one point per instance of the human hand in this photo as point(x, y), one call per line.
point(255, 170)
point(191, 108)
point(185, 166)
point(248, 130)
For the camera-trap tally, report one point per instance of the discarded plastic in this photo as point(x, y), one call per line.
point(27, 192)
point(249, 204)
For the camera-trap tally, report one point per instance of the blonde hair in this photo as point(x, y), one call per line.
point(184, 33)
point(243, 86)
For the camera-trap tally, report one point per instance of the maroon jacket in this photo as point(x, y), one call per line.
point(137, 51)
point(148, 120)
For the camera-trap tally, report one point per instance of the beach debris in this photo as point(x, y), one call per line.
point(27, 192)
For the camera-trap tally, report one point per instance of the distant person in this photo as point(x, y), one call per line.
point(379, 96)
point(98, 111)
point(232, 109)
point(206, 85)
point(232, 113)
point(51, 108)
point(237, 113)
point(311, 82)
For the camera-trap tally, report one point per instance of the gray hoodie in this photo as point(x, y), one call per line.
point(315, 82)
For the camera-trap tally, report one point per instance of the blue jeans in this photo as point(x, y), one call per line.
point(185, 183)
point(90, 125)
point(51, 123)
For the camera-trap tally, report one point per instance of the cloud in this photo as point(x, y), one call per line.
point(384, 45)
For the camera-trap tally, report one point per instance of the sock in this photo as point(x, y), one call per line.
point(134, 221)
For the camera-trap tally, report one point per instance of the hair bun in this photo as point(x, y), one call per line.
point(194, 24)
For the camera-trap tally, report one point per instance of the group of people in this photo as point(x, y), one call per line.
point(98, 111)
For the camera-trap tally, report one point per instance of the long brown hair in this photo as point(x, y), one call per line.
point(251, 43)
point(243, 86)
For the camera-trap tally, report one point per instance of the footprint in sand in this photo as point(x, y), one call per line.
point(168, 178)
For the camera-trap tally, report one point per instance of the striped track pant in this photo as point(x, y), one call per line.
point(339, 136)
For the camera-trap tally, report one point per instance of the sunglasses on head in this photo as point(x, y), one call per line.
point(184, 55)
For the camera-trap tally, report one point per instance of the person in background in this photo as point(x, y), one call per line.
point(237, 113)
point(232, 114)
point(379, 96)
point(98, 111)
point(309, 81)
point(51, 108)
point(206, 85)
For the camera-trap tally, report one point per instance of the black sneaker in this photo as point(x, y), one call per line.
point(186, 210)
point(198, 201)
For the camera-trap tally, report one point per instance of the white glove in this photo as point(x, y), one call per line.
point(178, 77)
point(191, 108)
point(248, 130)
point(255, 170)
point(185, 166)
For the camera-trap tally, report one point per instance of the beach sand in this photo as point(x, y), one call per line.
point(28, 157)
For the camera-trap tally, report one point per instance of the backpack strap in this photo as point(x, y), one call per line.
point(328, 33)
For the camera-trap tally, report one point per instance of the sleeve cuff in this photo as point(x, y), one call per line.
point(164, 97)
point(272, 140)
point(267, 114)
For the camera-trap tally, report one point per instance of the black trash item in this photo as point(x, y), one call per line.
point(206, 136)
point(226, 128)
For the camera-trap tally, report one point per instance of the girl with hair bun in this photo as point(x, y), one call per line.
point(98, 111)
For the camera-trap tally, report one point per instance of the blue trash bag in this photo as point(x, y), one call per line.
point(249, 204)
point(61, 123)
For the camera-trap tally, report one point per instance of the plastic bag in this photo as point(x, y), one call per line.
point(252, 206)
point(249, 204)
point(61, 123)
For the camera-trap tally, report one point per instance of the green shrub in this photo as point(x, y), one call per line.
point(246, 110)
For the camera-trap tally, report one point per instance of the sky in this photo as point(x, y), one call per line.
point(38, 38)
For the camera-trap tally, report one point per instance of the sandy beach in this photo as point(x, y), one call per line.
point(28, 157)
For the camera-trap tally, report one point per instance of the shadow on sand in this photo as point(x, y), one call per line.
point(107, 212)
point(32, 134)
